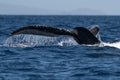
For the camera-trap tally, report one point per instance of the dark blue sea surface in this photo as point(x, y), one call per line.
point(60, 62)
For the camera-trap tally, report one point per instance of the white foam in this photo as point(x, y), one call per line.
point(67, 42)
point(114, 44)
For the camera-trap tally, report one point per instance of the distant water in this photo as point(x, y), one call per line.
point(28, 57)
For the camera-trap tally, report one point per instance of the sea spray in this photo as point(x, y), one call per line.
point(33, 41)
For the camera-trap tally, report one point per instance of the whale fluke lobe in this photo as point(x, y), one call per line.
point(42, 30)
point(80, 34)
point(84, 36)
point(94, 29)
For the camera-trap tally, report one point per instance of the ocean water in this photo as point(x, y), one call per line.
point(28, 57)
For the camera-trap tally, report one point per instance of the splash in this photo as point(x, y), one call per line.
point(114, 44)
point(103, 44)
point(33, 41)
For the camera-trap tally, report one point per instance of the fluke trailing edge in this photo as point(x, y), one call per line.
point(80, 34)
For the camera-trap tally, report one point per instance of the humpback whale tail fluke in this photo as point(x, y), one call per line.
point(80, 34)
point(42, 30)
point(94, 30)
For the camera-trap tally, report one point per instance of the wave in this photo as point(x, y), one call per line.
point(34, 41)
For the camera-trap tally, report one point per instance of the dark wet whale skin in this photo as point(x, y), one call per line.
point(80, 34)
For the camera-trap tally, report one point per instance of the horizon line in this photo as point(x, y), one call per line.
point(60, 14)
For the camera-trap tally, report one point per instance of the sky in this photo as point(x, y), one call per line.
point(110, 7)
